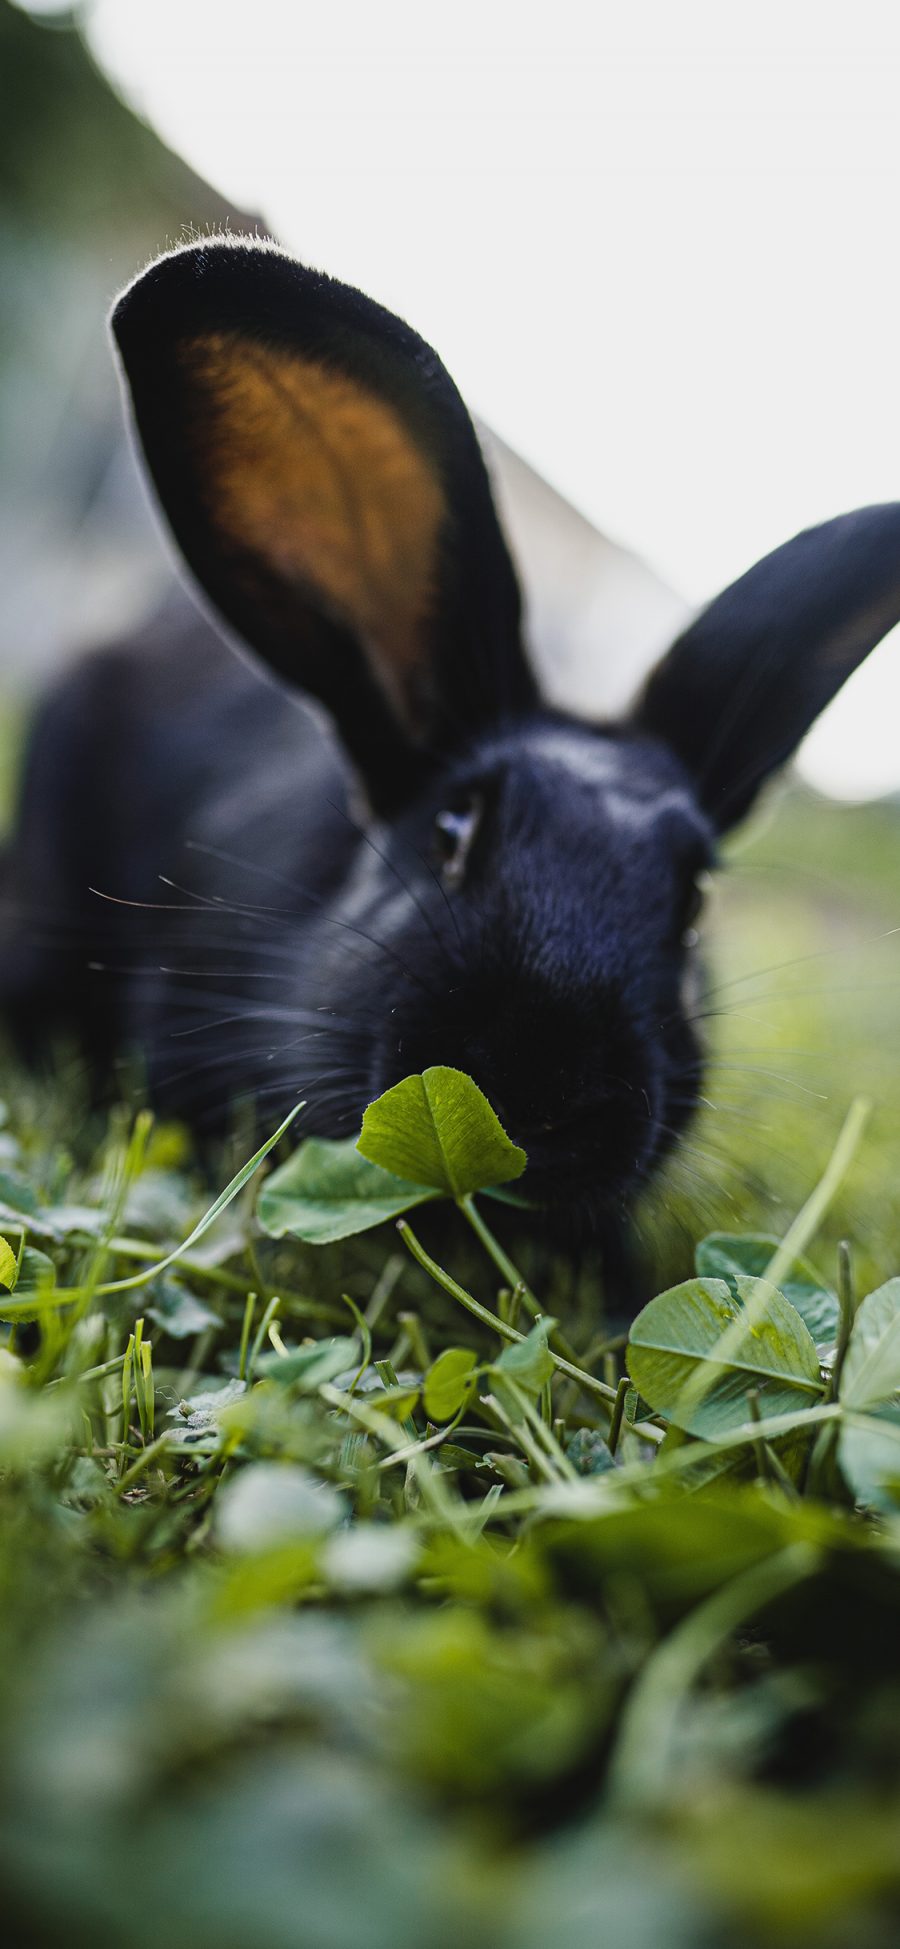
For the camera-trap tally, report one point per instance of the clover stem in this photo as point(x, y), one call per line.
point(615, 1426)
point(493, 1320)
point(495, 1251)
point(505, 1265)
point(847, 1302)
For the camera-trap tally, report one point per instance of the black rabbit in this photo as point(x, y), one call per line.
point(394, 854)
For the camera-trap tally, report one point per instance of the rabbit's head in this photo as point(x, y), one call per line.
point(528, 882)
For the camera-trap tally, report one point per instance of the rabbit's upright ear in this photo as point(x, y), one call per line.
point(742, 685)
point(323, 479)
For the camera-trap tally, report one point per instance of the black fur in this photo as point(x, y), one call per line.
point(328, 931)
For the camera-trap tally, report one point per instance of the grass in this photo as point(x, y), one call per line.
point(337, 1614)
point(812, 901)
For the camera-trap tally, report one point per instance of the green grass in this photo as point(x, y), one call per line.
point(811, 900)
point(307, 1639)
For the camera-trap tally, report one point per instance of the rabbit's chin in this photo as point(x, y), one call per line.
point(578, 1206)
point(583, 1181)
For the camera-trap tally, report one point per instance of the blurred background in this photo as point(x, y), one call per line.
point(656, 247)
point(653, 245)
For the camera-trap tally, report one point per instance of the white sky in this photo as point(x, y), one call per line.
point(655, 242)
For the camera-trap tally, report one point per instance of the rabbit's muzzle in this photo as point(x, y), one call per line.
point(586, 1093)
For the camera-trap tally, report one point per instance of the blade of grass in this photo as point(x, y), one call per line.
point(69, 1295)
point(639, 1774)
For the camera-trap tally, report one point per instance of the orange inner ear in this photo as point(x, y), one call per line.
point(319, 478)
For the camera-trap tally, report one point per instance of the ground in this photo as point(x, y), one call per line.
point(335, 1615)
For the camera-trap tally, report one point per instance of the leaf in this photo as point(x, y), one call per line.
point(871, 1372)
point(270, 1503)
point(449, 1382)
point(36, 1274)
point(327, 1191)
point(306, 1368)
point(636, 1409)
point(454, 1456)
point(9, 1266)
point(179, 1313)
point(733, 1255)
point(869, 1455)
point(199, 1414)
point(370, 1556)
point(160, 1203)
point(439, 1129)
point(674, 1355)
point(397, 1402)
point(500, 1195)
point(16, 1196)
point(588, 1452)
point(67, 1221)
point(677, 1550)
point(33, 1426)
point(529, 1362)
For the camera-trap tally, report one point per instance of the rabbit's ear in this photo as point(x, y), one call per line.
point(323, 479)
point(740, 688)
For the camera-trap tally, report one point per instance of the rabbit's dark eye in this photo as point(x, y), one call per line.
point(454, 832)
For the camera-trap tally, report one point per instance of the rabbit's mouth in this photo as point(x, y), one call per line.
point(584, 1168)
point(593, 1113)
point(580, 1179)
point(591, 1165)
